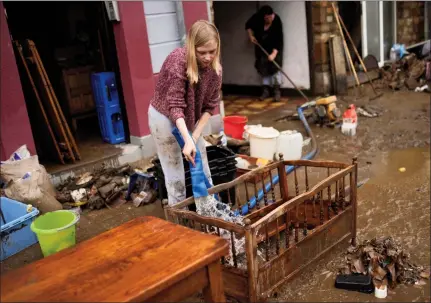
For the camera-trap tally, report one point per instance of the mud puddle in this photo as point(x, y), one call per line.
point(391, 203)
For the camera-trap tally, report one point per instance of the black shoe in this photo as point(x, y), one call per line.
point(277, 94)
point(265, 93)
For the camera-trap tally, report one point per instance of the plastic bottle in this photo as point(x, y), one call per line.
point(350, 121)
point(223, 137)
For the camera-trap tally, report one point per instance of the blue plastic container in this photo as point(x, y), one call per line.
point(16, 234)
point(108, 107)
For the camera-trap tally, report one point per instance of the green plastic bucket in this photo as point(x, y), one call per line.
point(55, 231)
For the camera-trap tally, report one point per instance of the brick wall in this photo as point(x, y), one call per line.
point(410, 22)
point(324, 25)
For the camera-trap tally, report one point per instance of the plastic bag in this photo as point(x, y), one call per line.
point(28, 182)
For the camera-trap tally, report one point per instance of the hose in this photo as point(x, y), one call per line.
point(252, 202)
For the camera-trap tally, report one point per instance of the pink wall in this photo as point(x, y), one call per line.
point(135, 64)
point(15, 125)
point(134, 58)
point(193, 11)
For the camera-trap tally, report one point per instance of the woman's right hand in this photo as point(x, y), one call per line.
point(189, 151)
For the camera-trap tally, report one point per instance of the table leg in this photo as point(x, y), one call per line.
point(214, 292)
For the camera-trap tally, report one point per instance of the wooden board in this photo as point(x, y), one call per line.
point(70, 140)
point(374, 74)
point(338, 65)
point(77, 83)
point(46, 97)
point(39, 101)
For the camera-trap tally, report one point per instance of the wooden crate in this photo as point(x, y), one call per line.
point(301, 218)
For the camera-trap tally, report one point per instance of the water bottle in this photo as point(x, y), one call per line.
point(393, 55)
point(223, 137)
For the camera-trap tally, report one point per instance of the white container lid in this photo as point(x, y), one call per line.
point(264, 132)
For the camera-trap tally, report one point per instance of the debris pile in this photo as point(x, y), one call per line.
point(105, 187)
point(409, 72)
point(385, 261)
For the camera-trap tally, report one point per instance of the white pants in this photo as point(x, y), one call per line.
point(170, 155)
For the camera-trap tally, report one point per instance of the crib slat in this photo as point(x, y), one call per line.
point(296, 224)
point(266, 242)
point(272, 187)
point(321, 208)
point(235, 263)
point(246, 194)
point(336, 202)
point(296, 181)
point(265, 197)
point(256, 196)
point(287, 229)
point(277, 240)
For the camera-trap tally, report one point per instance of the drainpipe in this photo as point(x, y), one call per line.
point(180, 21)
point(210, 11)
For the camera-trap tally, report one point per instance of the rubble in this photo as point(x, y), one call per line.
point(386, 262)
point(407, 72)
point(105, 187)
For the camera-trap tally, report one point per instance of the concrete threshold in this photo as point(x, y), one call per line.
point(128, 153)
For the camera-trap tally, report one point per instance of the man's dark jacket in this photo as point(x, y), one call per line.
point(269, 39)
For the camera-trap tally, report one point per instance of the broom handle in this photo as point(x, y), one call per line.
point(356, 52)
point(346, 49)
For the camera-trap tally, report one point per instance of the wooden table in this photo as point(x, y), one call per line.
point(146, 259)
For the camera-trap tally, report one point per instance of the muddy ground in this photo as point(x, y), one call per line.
point(392, 203)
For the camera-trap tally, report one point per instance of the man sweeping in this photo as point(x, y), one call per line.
point(265, 27)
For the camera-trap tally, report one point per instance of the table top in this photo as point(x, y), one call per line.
point(131, 262)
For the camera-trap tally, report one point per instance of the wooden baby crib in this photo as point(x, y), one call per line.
point(303, 216)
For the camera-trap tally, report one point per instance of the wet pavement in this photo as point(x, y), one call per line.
point(391, 203)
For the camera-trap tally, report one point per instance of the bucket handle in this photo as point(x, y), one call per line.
point(77, 218)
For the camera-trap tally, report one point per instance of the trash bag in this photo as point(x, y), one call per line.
point(28, 182)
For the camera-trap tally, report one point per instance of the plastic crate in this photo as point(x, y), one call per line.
point(105, 89)
point(108, 107)
point(16, 234)
point(111, 125)
point(222, 166)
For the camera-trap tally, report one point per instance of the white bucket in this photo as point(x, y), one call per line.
point(289, 143)
point(263, 142)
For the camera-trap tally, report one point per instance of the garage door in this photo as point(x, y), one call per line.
point(164, 32)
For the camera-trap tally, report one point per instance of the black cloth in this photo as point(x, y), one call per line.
point(269, 39)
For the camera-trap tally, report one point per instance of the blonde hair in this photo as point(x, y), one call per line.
point(199, 34)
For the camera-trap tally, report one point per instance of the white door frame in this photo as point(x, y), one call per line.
point(380, 57)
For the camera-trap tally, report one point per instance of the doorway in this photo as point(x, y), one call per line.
point(74, 40)
point(350, 12)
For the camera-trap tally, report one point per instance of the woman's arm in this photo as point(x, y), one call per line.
point(209, 107)
point(189, 149)
point(175, 98)
point(201, 125)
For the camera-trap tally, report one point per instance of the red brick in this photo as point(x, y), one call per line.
point(322, 68)
point(322, 28)
point(321, 52)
